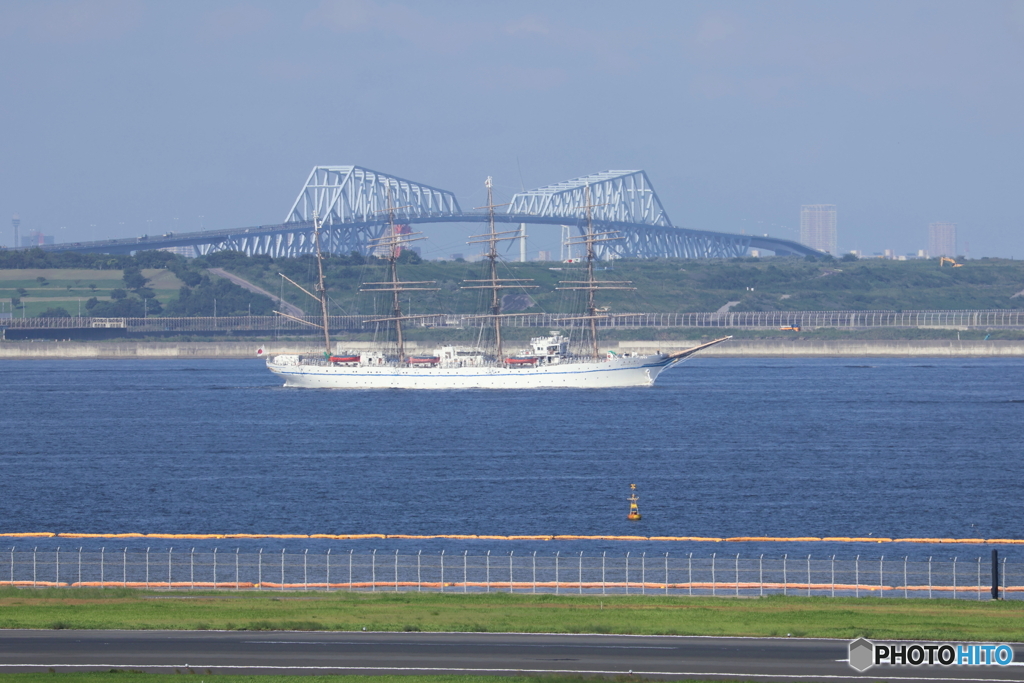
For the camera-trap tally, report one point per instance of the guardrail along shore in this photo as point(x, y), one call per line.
point(737, 348)
point(952, 320)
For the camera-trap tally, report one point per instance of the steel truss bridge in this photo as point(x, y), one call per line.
point(356, 205)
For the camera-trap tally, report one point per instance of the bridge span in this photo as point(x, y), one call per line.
point(355, 202)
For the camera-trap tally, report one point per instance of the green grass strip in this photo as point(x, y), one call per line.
point(57, 608)
point(129, 676)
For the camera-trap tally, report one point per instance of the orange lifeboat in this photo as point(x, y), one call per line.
point(530, 360)
point(344, 359)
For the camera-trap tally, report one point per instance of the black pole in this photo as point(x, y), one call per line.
point(995, 574)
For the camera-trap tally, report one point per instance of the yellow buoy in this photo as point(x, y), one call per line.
point(634, 511)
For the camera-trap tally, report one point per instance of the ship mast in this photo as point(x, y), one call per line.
point(321, 289)
point(396, 303)
point(591, 284)
point(392, 242)
point(494, 283)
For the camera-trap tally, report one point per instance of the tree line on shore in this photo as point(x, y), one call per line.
point(662, 285)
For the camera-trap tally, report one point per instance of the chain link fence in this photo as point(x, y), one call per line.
point(641, 574)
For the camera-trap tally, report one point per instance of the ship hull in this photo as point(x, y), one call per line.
point(617, 372)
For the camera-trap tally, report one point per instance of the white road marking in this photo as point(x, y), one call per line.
point(530, 645)
point(500, 671)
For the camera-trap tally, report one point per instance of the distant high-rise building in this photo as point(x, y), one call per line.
point(942, 239)
point(543, 255)
point(36, 239)
point(818, 227)
point(383, 250)
point(15, 221)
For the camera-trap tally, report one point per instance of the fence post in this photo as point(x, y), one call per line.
point(833, 576)
point(510, 554)
point(856, 575)
point(305, 567)
point(785, 579)
point(881, 586)
point(488, 574)
point(995, 573)
point(34, 566)
point(396, 570)
point(581, 572)
point(979, 577)
point(147, 568)
point(1004, 576)
point(57, 575)
point(558, 580)
point(737, 574)
point(643, 573)
point(905, 576)
point(689, 572)
point(419, 570)
point(666, 573)
point(192, 568)
point(442, 572)
point(328, 581)
point(713, 573)
point(604, 555)
point(236, 568)
point(124, 568)
point(169, 555)
point(259, 576)
point(534, 571)
point(760, 573)
point(465, 571)
point(373, 571)
point(215, 569)
point(103, 577)
point(79, 564)
point(350, 569)
point(627, 573)
point(808, 575)
point(954, 578)
point(282, 568)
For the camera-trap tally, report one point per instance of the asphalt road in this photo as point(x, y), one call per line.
point(465, 653)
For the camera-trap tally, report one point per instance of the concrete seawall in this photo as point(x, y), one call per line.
point(841, 349)
point(732, 349)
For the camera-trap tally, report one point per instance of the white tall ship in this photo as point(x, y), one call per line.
point(547, 362)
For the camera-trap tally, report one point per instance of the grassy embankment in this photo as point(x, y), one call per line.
point(69, 288)
point(676, 285)
point(662, 286)
point(769, 616)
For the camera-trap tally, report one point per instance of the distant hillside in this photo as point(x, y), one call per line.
point(34, 283)
point(662, 285)
point(39, 281)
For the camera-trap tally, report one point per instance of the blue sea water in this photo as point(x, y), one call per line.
point(836, 447)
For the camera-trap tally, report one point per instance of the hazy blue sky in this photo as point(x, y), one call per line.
point(119, 118)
